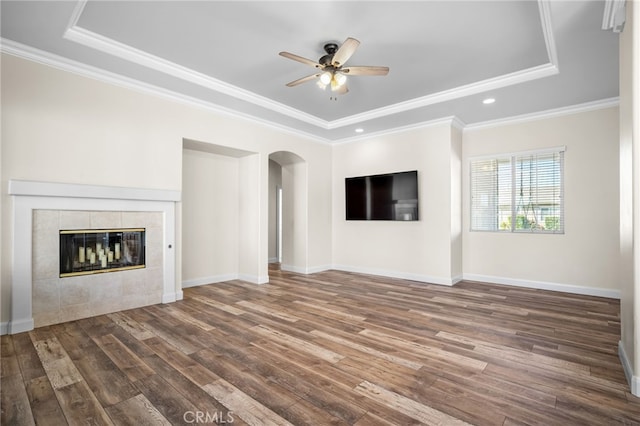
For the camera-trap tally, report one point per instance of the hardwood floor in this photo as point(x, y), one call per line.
point(328, 348)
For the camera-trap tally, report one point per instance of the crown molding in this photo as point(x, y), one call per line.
point(494, 83)
point(615, 15)
point(517, 77)
point(550, 113)
point(452, 121)
point(19, 50)
point(123, 51)
point(131, 54)
point(79, 35)
point(26, 52)
point(547, 31)
point(109, 46)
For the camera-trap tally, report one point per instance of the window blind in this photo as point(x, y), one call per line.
point(518, 192)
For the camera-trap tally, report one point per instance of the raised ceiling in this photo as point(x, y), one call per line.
point(445, 57)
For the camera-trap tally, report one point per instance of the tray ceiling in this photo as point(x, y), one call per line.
point(444, 57)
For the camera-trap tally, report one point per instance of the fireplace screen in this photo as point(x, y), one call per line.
point(101, 250)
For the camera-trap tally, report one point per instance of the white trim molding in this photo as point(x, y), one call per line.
point(550, 113)
point(101, 43)
point(427, 279)
point(123, 51)
point(19, 50)
point(131, 54)
point(304, 270)
point(633, 380)
point(196, 282)
point(73, 190)
point(615, 15)
point(254, 279)
point(544, 285)
point(495, 83)
point(27, 196)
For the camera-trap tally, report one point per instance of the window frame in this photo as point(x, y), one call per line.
point(512, 158)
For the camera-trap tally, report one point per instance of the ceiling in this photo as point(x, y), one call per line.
point(445, 57)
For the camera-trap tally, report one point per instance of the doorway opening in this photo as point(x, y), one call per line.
point(279, 224)
point(288, 211)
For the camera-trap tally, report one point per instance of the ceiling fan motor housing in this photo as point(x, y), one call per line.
point(330, 48)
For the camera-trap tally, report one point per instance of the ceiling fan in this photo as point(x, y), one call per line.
point(331, 70)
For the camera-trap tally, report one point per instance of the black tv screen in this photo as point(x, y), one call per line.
point(391, 196)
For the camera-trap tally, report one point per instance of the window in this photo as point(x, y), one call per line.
point(520, 192)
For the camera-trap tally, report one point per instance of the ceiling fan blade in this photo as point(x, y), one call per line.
point(302, 80)
point(300, 59)
point(345, 51)
point(366, 70)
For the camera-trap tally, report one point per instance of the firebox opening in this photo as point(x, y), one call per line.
point(95, 251)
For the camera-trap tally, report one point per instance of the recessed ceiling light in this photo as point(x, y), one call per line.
point(359, 130)
point(488, 101)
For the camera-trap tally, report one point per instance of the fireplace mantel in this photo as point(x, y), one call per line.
point(27, 196)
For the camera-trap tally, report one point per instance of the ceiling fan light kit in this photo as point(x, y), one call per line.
point(331, 66)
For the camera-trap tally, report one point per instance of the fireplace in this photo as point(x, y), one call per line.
point(95, 251)
point(41, 210)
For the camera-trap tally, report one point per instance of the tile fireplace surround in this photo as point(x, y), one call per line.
point(64, 299)
point(40, 210)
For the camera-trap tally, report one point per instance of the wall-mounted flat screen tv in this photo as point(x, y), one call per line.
point(391, 196)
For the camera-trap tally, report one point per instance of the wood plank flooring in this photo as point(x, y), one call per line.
point(329, 348)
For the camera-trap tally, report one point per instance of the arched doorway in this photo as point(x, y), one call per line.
point(288, 211)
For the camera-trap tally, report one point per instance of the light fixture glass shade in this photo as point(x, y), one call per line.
point(326, 77)
point(340, 78)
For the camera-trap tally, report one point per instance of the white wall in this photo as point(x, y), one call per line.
point(210, 224)
point(295, 244)
point(585, 257)
point(630, 196)
point(62, 127)
point(456, 202)
point(421, 250)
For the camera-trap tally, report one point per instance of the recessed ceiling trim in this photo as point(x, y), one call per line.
point(550, 113)
point(517, 77)
point(454, 121)
point(614, 16)
point(547, 31)
point(36, 55)
point(19, 50)
point(131, 54)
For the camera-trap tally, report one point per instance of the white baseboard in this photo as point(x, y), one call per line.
point(19, 326)
point(544, 285)
point(4, 328)
point(633, 380)
point(273, 260)
point(254, 279)
point(456, 279)
point(209, 280)
point(316, 269)
point(429, 279)
point(306, 271)
point(169, 297)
